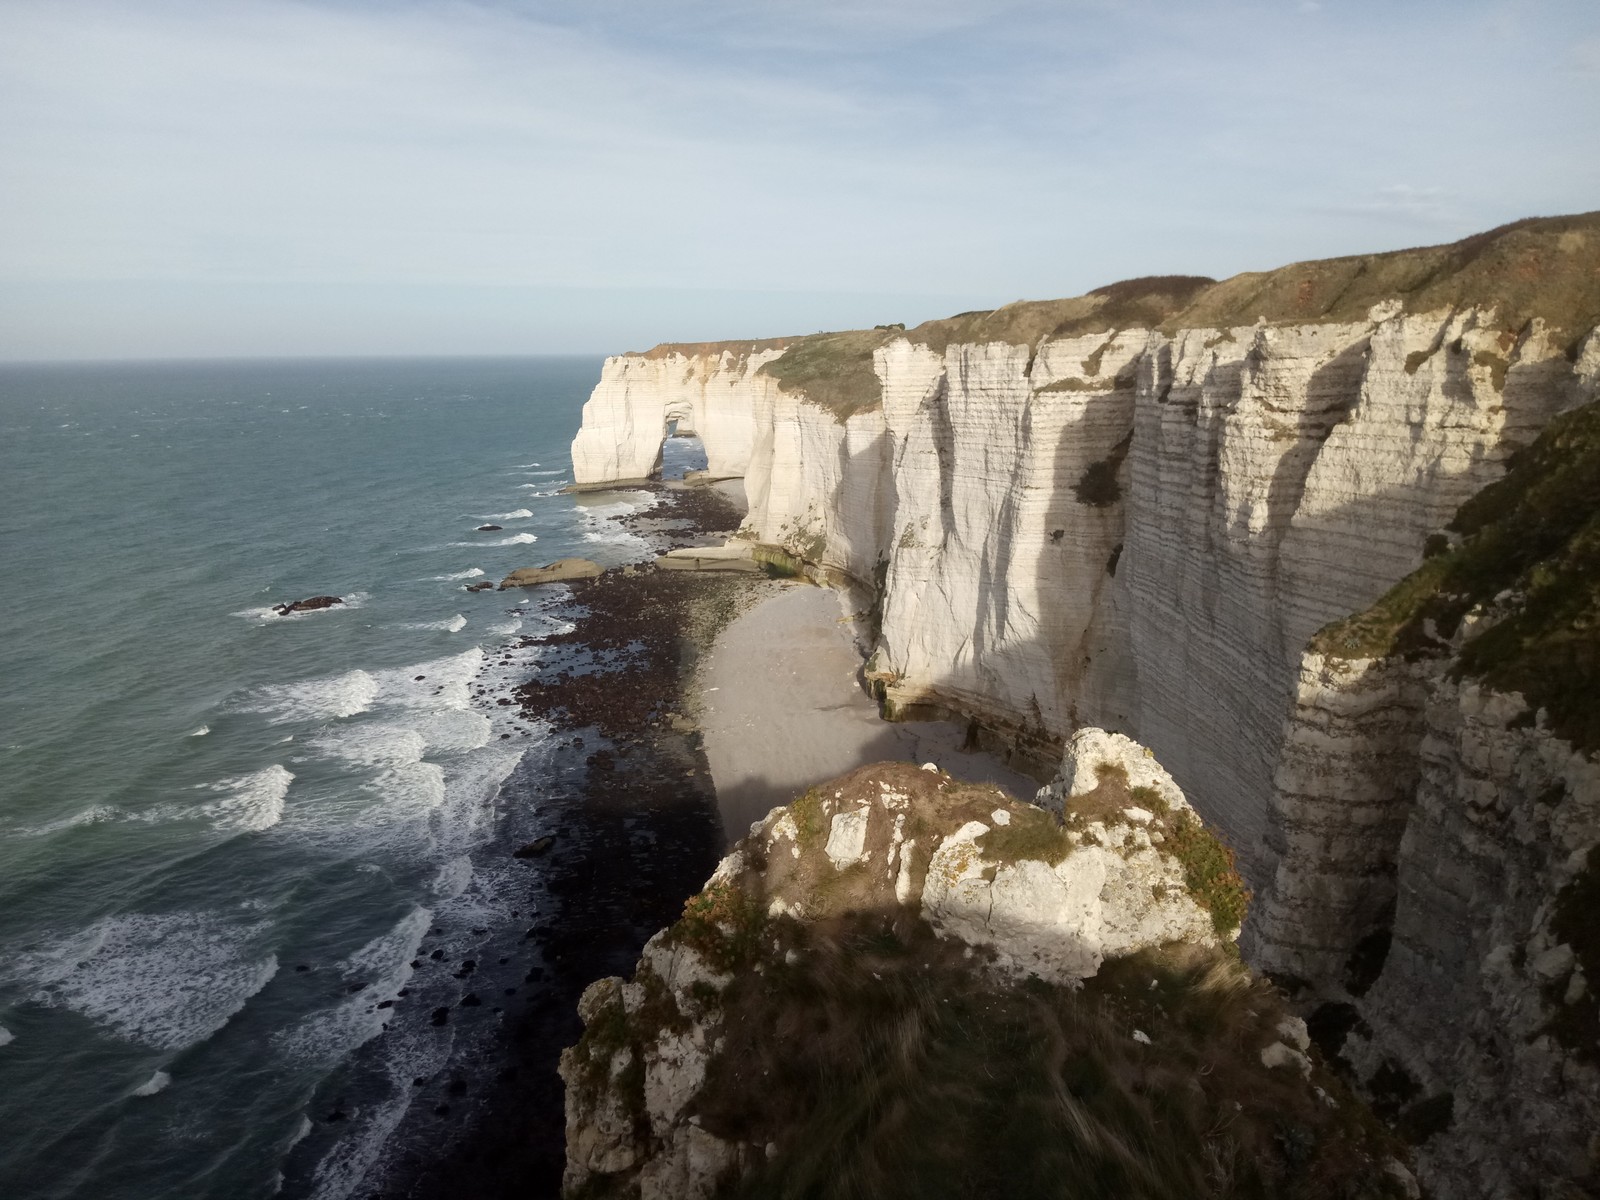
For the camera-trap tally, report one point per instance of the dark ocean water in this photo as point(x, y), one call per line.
point(226, 836)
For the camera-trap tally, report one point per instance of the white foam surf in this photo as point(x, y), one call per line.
point(152, 1085)
point(167, 980)
point(201, 732)
point(552, 471)
point(384, 965)
point(474, 573)
point(371, 744)
point(6, 1036)
point(453, 878)
point(454, 625)
point(454, 731)
point(329, 697)
point(252, 802)
point(465, 815)
point(515, 514)
point(438, 683)
point(516, 539)
point(89, 816)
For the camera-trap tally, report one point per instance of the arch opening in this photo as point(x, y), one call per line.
point(681, 449)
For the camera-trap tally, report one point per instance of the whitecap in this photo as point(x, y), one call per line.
point(505, 628)
point(555, 471)
point(469, 574)
point(6, 1036)
point(519, 466)
point(254, 802)
point(324, 698)
point(201, 732)
point(152, 1085)
point(167, 980)
point(516, 539)
point(454, 625)
point(372, 744)
point(515, 514)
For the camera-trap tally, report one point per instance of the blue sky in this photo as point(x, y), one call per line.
point(438, 176)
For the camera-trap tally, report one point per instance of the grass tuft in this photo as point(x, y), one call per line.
point(1209, 871)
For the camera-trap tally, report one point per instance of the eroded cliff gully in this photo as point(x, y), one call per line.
point(1137, 509)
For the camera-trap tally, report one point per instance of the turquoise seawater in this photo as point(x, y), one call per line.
point(225, 834)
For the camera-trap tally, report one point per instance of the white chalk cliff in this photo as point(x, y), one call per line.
point(1140, 525)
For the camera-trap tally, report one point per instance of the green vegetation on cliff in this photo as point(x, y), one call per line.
point(833, 369)
point(1529, 560)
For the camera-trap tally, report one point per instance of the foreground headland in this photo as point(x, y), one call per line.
point(671, 691)
point(1322, 539)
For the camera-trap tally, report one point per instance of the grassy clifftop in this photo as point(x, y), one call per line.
point(1544, 267)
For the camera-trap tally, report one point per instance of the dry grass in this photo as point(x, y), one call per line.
point(882, 1064)
point(1546, 267)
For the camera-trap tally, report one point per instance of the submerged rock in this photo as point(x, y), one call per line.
point(490, 528)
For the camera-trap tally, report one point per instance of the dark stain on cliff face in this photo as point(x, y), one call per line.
point(1098, 486)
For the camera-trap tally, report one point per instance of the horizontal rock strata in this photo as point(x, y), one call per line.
point(1134, 510)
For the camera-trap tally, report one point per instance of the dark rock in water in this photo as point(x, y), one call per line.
point(537, 848)
point(471, 1000)
point(481, 586)
point(310, 604)
point(490, 528)
point(441, 1016)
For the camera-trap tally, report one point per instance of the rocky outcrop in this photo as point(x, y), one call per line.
point(557, 572)
point(310, 604)
point(872, 938)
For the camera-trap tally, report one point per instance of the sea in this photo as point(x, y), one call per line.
point(228, 838)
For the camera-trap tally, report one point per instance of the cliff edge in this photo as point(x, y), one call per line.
point(904, 985)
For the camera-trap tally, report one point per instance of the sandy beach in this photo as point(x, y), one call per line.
point(782, 709)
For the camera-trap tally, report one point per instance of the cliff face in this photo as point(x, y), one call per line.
point(1135, 509)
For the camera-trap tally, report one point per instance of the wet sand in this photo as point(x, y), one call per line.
point(782, 708)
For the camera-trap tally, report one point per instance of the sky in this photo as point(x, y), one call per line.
point(368, 177)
